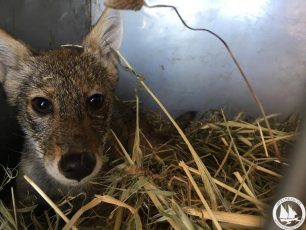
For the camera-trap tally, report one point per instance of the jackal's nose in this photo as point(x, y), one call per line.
point(77, 165)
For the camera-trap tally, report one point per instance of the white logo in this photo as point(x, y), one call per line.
point(289, 213)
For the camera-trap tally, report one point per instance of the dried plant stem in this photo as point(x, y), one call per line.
point(246, 161)
point(250, 221)
point(137, 153)
point(198, 191)
point(98, 200)
point(155, 199)
point(236, 150)
point(241, 186)
point(268, 142)
point(48, 219)
point(258, 167)
point(127, 156)
point(246, 188)
point(49, 201)
point(225, 157)
point(14, 207)
point(263, 140)
point(204, 173)
point(235, 191)
point(118, 219)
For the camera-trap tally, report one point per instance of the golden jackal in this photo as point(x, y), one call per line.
point(64, 99)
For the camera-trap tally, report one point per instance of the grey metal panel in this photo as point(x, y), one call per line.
point(47, 23)
point(192, 71)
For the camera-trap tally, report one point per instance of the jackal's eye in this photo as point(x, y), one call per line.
point(95, 101)
point(42, 105)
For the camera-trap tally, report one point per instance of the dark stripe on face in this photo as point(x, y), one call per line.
point(30, 121)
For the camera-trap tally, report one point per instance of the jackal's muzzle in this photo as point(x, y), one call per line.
point(76, 166)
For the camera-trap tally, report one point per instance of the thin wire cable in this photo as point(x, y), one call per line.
point(253, 93)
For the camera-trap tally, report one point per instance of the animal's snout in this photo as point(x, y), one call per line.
point(77, 165)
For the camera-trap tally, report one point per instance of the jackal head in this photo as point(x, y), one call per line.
point(64, 98)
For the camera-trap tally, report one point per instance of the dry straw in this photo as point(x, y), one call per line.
point(217, 173)
point(167, 186)
point(167, 183)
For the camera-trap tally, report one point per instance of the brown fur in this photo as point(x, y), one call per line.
point(67, 77)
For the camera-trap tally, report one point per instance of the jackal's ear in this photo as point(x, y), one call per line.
point(105, 37)
point(12, 52)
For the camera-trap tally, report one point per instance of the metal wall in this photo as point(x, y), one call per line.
point(48, 23)
point(191, 70)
